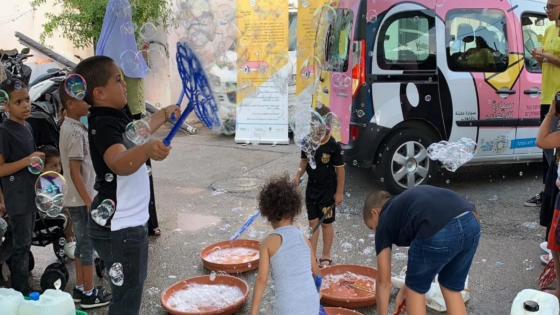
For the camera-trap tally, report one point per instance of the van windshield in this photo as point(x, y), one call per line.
point(337, 42)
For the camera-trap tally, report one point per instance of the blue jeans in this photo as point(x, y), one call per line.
point(129, 247)
point(84, 249)
point(449, 253)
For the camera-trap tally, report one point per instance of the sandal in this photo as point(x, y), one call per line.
point(322, 260)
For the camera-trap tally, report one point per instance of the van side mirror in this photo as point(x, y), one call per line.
point(25, 51)
point(387, 37)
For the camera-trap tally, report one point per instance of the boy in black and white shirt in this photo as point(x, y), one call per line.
point(122, 182)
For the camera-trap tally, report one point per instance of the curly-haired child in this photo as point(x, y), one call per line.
point(287, 252)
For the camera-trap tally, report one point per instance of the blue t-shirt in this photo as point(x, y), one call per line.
point(419, 212)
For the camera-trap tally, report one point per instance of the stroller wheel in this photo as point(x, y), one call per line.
point(60, 267)
point(99, 267)
point(31, 261)
point(53, 279)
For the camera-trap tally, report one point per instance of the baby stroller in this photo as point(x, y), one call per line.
point(48, 230)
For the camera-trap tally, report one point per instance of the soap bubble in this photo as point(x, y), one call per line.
point(129, 60)
point(116, 274)
point(155, 59)
point(148, 170)
point(138, 132)
point(103, 212)
point(35, 165)
point(4, 98)
point(109, 177)
point(122, 8)
point(333, 124)
point(529, 265)
point(452, 154)
point(51, 183)
point(51, 205)
point(148, 31)
point(75, 86)
point(212, 276)
point(196, 18)
point(128, 28)
point(309, 130)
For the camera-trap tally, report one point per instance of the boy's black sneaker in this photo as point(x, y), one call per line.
point(535, 201)
point(77, 295)
point(97, 299)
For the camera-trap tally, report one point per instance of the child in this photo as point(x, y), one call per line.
point(80, 176)
point(287, 252)
point(441, 228)
point(122, 177)
point(325, 187)
point(17, 147)
point(52, 163)
point(546, 139)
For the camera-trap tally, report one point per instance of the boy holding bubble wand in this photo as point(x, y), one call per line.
point(17, 152)
point(122, 181)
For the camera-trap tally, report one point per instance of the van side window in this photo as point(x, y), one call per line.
point(476, 40)
point(533, 26)
point(337, 41)
point(406, 42)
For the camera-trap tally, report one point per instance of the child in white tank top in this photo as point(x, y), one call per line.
point(287, 252)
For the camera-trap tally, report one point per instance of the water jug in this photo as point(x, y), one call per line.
point(533, 302)
point(10, 300)
point(52, 302)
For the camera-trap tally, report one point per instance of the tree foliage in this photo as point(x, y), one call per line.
point(80, 21)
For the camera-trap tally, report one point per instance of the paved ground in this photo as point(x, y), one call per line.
point(191, 218)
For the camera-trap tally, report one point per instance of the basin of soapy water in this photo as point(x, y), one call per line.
point(340, 311)
point(205, 295)
point(348, 286)
point(232, 257)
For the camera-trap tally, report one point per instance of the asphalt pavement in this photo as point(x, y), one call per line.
point(200, 202)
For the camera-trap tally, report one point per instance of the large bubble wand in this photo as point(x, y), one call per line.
point(197, 90)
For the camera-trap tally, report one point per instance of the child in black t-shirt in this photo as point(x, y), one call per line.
point(17, 147)
point(441, 228)
point(325, 189)
point(119, 212)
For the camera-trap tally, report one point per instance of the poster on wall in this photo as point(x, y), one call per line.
point(264, 71)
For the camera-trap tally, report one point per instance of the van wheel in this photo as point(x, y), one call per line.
point(405, 163)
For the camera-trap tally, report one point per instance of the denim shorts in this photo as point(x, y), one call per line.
point(84, 249)
point(449, 253)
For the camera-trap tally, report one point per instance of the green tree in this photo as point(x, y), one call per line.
point(81, 20)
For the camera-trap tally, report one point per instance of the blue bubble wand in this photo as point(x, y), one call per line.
point(197, 90)
point(249, 221)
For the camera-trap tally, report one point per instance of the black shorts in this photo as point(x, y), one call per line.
point(317, 211)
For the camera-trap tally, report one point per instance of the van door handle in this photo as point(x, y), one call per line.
point(531, 92)
point(505, 91)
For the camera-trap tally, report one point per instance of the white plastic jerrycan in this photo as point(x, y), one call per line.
point(533, 302)
point(10, 300)
point(52, 302)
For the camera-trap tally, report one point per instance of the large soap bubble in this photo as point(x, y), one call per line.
point(103, 212)
point(309, 130)
point(51, 189)
point(138, 132)
point(452, 154)
point(75, 86)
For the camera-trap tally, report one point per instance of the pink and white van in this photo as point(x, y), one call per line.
point(423, 71)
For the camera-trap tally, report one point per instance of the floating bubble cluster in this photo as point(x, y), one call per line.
point(109, 177)
point(103, 212)
point(35, 165)
point(309, 130)
point(138, 131)
point(75, 86)
point(116, 274)
point(50, 188)
point(197, 298)
point(452, 154)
